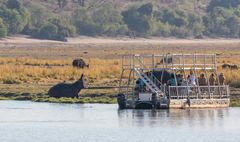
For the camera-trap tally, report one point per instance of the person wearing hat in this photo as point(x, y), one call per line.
point(221, 79)
point(212, 80)
point(202, 80)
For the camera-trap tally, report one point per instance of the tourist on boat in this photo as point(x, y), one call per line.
point(202, 80)
point(179, 79)
point(172, 81)
point(192, 80)
point(188, 79)
point(140, 85)
point(184, 88)
point(212, 80)
point(221, 79)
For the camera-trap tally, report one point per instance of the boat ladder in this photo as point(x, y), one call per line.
point(149, 82)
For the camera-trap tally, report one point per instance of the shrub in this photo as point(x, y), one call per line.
point(56, 29)
point(10, 81)
point(139, 20)
point(3, 29)
point(15, 16)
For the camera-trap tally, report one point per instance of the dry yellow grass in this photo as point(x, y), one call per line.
point(41, 62)
point(101, 72)
point(27, 70)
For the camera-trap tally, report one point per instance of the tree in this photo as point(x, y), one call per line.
point(139, 19)
point(64, 27)
point(223, 3)
point(233, 23)
point(223, 22)
point(15, 16)
point(196, 25)
point(109, 20)
point(48, 31)
point(174, 17)
point(84, 23)
point(39, 15)
point(62, 3)
point(146, 9)
point(56, 29)
point(3, 29)
point(14, 4)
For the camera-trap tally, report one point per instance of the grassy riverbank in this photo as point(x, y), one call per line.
point(37, 93)
point(106, 99)
point(28, 68)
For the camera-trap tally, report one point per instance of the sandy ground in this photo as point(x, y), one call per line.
point(117, 40)
point(104, 47)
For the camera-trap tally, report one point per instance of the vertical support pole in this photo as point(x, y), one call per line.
point(120, 82)
point(217, 76)
point(153, 61)
point(169, 91)
point(195, 74)
point(207, 76)
point(134, 66)
point(184, 73)
point(174, 72)
point(122, 61)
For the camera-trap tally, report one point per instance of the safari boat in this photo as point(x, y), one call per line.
point(171, 81)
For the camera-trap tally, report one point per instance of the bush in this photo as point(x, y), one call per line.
point(48, 31)
point(223, 3)
point(180, 32)
point(223, 22)
point(3, 29)
point(105, 20)
point(83, 22)
point(10, 81)
point(39, 15)
point(15, 16)
point(109, 20)
point(139, 20)
point(56, 29)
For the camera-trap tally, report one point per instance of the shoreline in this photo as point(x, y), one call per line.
point(111, 40)
point(84, 99)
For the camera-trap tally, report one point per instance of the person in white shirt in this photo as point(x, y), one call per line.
point(192, 80)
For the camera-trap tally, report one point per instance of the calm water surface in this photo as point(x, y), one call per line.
point(23, 121)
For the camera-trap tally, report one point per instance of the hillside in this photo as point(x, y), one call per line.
point(60, 19)
point(71, 5)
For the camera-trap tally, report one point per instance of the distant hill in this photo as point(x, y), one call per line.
point(70, 5)
point(59, 19)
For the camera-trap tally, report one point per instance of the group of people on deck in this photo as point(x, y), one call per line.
point(192, 81)
point(178, 80)
point(202, 81)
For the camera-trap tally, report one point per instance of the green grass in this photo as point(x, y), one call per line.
point(46, 98)
point(38, 93)
point(235, 103)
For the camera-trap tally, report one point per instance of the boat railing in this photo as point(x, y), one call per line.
point(198, 92)
point(170, 61)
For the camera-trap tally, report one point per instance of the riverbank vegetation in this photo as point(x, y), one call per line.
point(30, 79)
point(28, 68)
point(58, 20)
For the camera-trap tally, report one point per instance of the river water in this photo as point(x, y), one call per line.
point(25, 121)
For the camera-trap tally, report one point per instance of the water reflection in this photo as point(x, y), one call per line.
point(173, 117)
point(26, 121)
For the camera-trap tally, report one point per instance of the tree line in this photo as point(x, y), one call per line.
point(221, 19)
